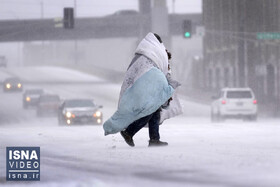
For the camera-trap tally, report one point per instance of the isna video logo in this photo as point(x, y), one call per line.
point(23, 163)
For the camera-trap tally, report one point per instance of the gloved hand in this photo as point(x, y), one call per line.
point(166, 104)
point(169, 100)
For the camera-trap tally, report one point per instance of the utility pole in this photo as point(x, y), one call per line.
point(160, 22)
point(18, 53)
point(173, 6)
point(42, 9)
point(145, 21)
point(75, 42)
point(42, 17)
point(75, 8)
point(242, 47)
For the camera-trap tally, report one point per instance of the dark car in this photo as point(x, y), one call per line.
point(126, 13)
point(79, 111)
point(123, 15)
point(12, 84)
point(31, 97)
point(48, 105)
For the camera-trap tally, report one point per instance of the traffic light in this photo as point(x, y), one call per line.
point(68, 18)
point(187, 28)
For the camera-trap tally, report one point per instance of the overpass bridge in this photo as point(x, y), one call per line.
point(88, 28)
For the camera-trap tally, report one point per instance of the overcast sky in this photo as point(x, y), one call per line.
point(30, 9)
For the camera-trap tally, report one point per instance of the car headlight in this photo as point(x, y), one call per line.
point(27, 99)
point(97, 114)
point(68, 121)
point(68, 114)
point(19, 85)
point(8, 85)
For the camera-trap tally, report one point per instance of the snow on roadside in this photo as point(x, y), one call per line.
point(95, 183)
point(52, 74)
point(199, 153)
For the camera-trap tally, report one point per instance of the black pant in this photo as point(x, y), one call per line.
point(153, 121)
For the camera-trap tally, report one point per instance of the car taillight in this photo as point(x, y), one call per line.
point(224, 102)
point(255, 101)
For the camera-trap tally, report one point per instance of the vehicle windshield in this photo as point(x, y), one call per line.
point(34, 91)
point(49, 99)
point(79, 103)
point(13, 80)
point(239, 94)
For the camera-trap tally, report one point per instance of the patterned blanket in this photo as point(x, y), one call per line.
point(145, 87)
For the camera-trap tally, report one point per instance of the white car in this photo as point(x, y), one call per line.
point(234, 103)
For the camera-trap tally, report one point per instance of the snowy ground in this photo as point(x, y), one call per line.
point(200, 153)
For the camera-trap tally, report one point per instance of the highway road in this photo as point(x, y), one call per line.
point(234, 153)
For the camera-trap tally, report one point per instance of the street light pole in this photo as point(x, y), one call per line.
point(18, 44)
point(42, 17)
point(173, 6)
point(42, 9)
point(242, 49)
point(75, 8)
point(76, 42)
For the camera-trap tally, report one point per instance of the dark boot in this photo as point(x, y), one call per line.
point(128, 139)
point(154, 143)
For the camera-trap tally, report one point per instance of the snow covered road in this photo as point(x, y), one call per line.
point(200, 153)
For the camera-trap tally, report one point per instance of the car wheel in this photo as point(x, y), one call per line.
point(24, 106)
point(58, 120)
point(213, 117)
point(220, 118)
point(39, 113)
point(61, 121)
point(253, 118)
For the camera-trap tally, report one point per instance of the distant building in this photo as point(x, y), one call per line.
point(233, 54)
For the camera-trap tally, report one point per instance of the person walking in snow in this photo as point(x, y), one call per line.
point(153, 121)
point(146, 87)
